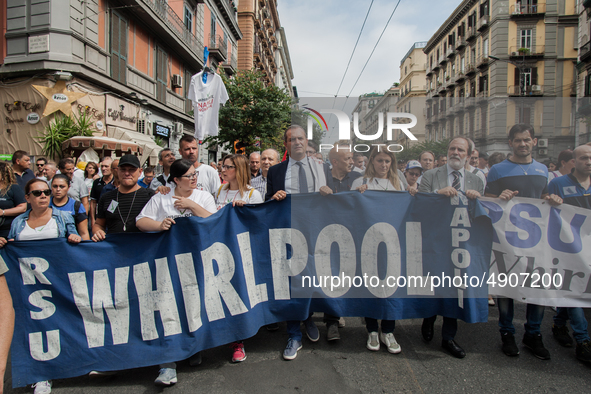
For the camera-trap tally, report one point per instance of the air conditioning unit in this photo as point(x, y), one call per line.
point(177, 81)
point(144, 126)
point(543, 152)
point(543, 143)
point(177, 128)
point(514, 53)
point(536, 88)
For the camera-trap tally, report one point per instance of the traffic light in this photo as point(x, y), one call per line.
point(239, 147)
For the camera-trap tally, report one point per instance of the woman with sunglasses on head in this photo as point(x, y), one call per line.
point(159, 214)
point(60, 184)
point(12, 200)
point(381, 174)
point(236, 191)
point(42, 222)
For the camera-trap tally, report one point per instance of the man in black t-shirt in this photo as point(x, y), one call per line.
point(117, 209)
point(97, 187)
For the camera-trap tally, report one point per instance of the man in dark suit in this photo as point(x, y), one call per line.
point(298, 174)
point(449, 179)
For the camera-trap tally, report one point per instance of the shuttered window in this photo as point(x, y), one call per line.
point(118, 48)
point(161, 74)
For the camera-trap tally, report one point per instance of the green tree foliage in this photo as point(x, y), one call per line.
point(254, 112)
point(412, 153)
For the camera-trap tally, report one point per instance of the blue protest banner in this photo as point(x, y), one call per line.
point(143, 299)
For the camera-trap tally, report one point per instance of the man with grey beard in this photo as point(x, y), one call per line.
point(449, 180)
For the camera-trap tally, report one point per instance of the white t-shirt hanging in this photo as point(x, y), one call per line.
point(161, 206)
point(207, 98)
point(226, 196)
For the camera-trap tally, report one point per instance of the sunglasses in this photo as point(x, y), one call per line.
point(38, 193)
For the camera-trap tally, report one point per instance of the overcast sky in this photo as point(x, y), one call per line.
point(321, 35)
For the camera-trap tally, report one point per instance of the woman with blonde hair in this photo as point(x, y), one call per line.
point(381, 172)
point(12, 199)
point(237, 190)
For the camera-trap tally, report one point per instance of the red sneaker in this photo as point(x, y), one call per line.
point(238, 352)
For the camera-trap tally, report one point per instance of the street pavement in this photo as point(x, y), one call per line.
point(346, 366)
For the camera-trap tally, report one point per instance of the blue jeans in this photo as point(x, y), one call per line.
point(387, 325)
point(293, 329)
point(533, 315)
point(577, 322)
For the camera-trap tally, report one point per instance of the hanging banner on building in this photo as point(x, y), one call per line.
point(137, 300)
point(540, 253)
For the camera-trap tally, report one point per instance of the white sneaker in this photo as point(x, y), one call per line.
point(341, 322)
point(42, 387)
point(373, 343)
point(167, 377)
point(390, 342)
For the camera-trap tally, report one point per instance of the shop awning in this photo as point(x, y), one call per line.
point(102, 144)
point(150, 148)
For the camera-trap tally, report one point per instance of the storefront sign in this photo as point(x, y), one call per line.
point(33, 118)
point(121, 113)
point(161, 131)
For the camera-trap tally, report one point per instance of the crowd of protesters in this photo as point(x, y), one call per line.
point(88, 201)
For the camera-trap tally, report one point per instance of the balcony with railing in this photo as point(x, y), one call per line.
point(482, 61)
point(174, 24)
point(460, 76)
point(483, 22)
point(460, 42)
point(528, 90)
point(528, 52)
point(218, 48)
point(522, 10)
point(470, 68)
point(231, 66)
point(470, 33)
point(450, 51)
point(585, 52)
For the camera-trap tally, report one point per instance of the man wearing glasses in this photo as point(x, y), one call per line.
point(413, 172)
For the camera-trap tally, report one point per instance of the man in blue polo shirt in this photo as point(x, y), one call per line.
point(521, 176)
point(574, 189)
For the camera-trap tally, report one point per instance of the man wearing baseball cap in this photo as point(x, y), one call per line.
point(412, 173)
point(117, 209)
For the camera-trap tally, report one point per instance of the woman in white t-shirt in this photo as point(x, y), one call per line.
point(159, 214)
point(381, 174)
point(184, 200)
point(237, 191)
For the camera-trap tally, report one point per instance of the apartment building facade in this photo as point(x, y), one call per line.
point(264, 45)
point(495, 63)
point(413, 92)
point(583, 132)
point(132, 59)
